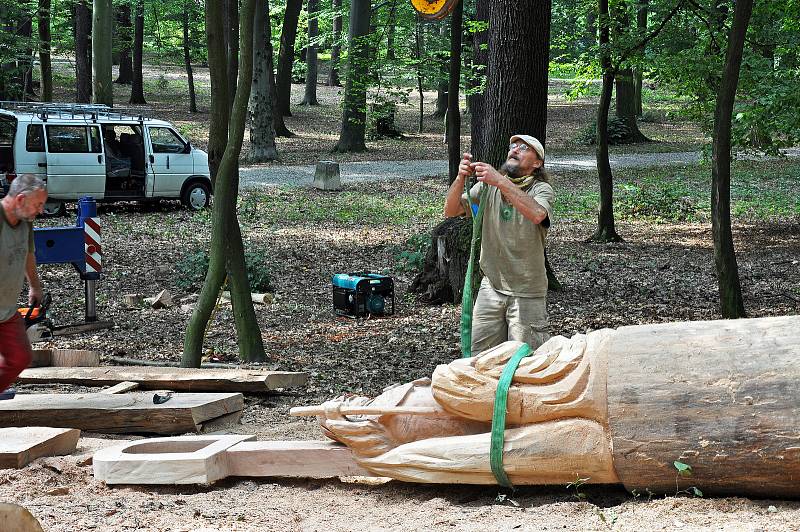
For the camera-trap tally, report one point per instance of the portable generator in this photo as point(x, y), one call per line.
point(363, 294)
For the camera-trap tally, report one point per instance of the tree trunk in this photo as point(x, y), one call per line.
point(626, 104)
point(123, 36)
point(232, 45)
point(391, 23)
point(227, 250)
point(218, 73)
point(311, 54)
point(137, 84)
point(83, 57)
point(606, 232)
point(102, 87)
point(419, 46)
point(441, 88)
point(442, 277)
point(286, 56)
point(642, 12)
point(278, 123)
point(453, 112)
point(730, 290)
point(351, 138)
point(519, 54)
point(44, 51)
point(476, 102)
point(187, 56)
point(25, 63)
point(333, 73)
point(262, 132)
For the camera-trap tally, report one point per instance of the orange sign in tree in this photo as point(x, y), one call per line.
point(434, 9)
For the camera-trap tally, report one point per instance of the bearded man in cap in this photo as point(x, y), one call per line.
point(511, 302)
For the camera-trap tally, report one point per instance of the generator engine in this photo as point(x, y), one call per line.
point(363, 294)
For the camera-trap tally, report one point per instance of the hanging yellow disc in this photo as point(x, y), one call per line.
point(434, 9)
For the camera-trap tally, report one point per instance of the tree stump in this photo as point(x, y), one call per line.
point(442, 277)
point(327, 176)
point(383, 116)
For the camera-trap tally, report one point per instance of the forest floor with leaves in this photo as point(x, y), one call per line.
point(664, 271)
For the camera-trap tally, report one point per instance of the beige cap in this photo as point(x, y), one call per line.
point(532, 142)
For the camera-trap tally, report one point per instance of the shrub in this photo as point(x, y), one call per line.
point(191, 271)
point(410, 256)
point(667, 200)
point(618, 132)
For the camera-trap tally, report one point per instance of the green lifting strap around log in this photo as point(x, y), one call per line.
point(467, 300)
point(499, 416)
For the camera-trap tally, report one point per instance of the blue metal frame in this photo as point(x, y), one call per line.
point(63, 245)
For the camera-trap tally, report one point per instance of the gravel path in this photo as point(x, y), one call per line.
point(371, 170)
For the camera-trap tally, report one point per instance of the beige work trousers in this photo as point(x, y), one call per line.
point(497, 318)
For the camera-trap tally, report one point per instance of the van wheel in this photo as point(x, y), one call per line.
point(195, 196)
point(54, 208)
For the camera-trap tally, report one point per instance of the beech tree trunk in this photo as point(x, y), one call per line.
point(441, 87)
point(83, 54)
point(227, 251)
point(187, 56)
point(262, 132)
point(286, 56)
point(102, 27)
point(606, 232)
point(218, 73)
point(123, 36)
point(333, 73)
point(137, 84)
point(453, 112)
point(627, 105)
point(311, 54)
point(476, 102)
point(351, 138)
point(642, 12)
point(232, 45)
point(44, 51)
point(730, 290)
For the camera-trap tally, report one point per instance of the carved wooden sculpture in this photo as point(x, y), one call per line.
point(613, 406)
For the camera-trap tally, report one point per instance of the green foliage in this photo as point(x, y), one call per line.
point(577, 486)
point(410, 257)
point(618, 132)
point(655, 199)
point(191, 270)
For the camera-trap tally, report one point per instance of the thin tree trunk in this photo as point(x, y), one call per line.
point(227, 251)
point(333, 73)
point(26, 66)
point(278, 122)
point(441, 87)
point(730, 290)
point(311, 54)
point(44, 51)
point(286, 56)
point(606, 232)
point(262, 132)
point(476, 101)
point(123, 36)
point(102, 87)
point(391, 23)
point(453, 112)
point(218, 73)
point(137, 84)
point(232, 44)
point(351, 138)
point(83, 58)
point(419, 46)
point(642, 11)
point(187, 56)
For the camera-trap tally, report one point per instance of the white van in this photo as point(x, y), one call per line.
point(92, 150)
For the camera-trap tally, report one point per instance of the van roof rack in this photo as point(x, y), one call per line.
point(94, 111)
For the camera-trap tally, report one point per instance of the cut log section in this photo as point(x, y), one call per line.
point(21, 446)
point(121, 414)
point(206, 459)
point(65, 358)
point(178, 379)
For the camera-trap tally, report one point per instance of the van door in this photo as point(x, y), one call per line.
point(170, 161)
point(75, 161)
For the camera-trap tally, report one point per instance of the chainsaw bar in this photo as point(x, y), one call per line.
point(63, 330)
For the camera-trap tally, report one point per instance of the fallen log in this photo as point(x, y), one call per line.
point(122, 414)
point(178, 379)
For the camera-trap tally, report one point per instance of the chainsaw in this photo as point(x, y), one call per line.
point(40, 327)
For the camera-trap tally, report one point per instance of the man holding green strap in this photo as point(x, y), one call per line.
point(511, 302)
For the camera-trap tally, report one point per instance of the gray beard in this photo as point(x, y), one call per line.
point(511, 169)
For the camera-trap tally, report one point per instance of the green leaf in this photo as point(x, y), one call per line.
point(697, 492)
point(684, 469)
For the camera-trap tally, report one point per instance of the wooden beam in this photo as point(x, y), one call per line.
point(206, 459)
point(178, 379)
point(129, 413)
point(20, 446)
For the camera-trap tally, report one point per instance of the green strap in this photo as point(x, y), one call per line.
point(499, 416)
point(467, 302)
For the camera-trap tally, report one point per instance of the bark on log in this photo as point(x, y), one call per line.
point(442, 277)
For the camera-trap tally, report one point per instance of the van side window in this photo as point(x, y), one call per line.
point(73, 139)
point(34, 139)
point(165, 140)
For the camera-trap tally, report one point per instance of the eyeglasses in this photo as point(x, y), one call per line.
point(521, 146)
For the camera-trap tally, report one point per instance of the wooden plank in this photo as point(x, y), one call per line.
point(178, 379)
point(299, 459)
point(40, 357)
point(122, 387)
point(129, 413)
point(72, 358)
point(20, 446)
